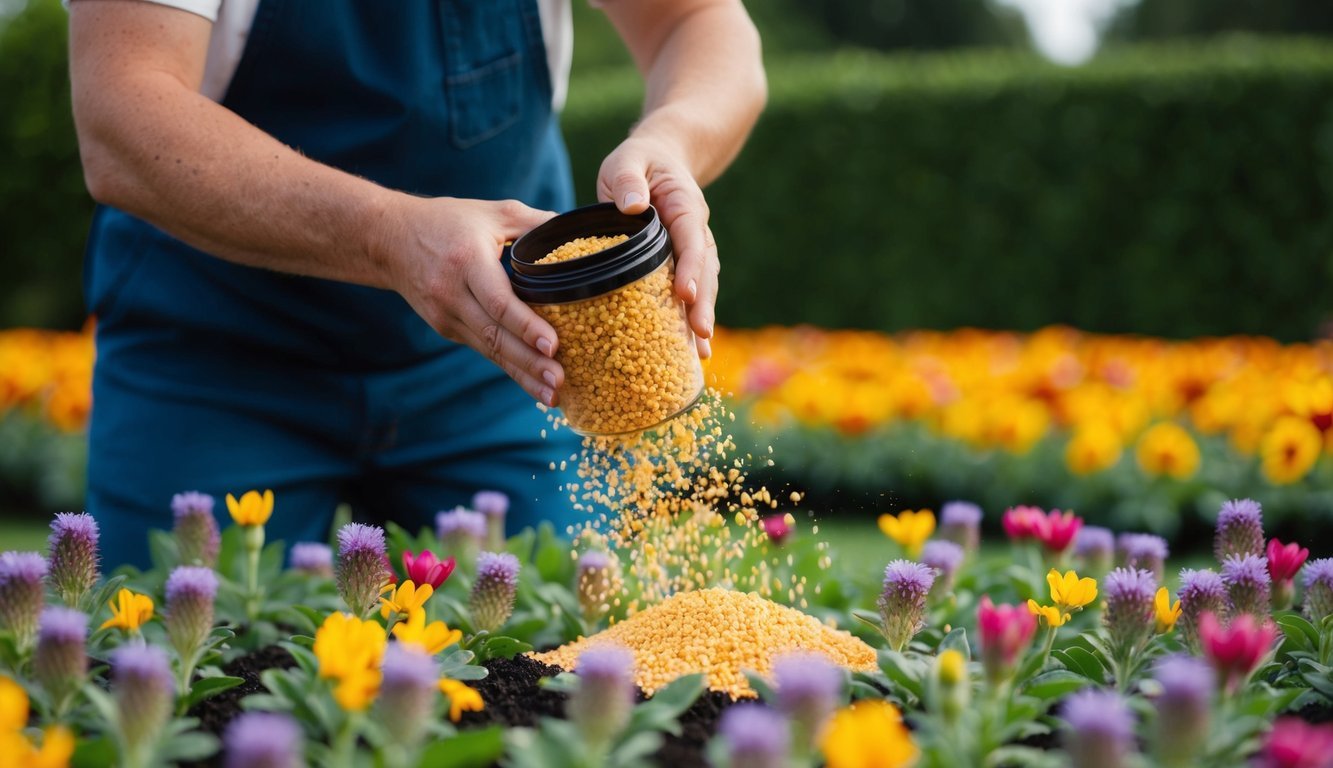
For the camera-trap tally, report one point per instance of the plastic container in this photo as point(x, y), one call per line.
point(624, 339)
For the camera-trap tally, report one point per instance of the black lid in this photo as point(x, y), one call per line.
point(559, 282)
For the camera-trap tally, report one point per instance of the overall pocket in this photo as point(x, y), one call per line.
point(484, 43)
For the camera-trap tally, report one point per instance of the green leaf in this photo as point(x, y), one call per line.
point(458, 665)
point(207, 687)
point(190, 747)
point(760, 685)
point(94, 753)
point(501, 647)
point(677, 696)
point(469, 749)
point(956, 640)
point(163, 551)
point(906, 672)
point(1054, 684)
point(1299, 631)
point(1082, 661)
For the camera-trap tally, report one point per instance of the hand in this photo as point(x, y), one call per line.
point(643, 170)
point(443, 256)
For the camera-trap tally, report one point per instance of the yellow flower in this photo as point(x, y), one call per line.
point(13, 706)
point(349, 651)
point(129, 611)
point(430, 638)
point(1289, 450)
point(406, 598)
point(910, 529)
point(1167, 449)
point(252, 509)
point(56, 750)
point(1051, 614)
point(1166, 612)
point(461, 698)
point(1094, 447)
point(868, 734)
point(15, 749)
point(1069, 591)
point(953, 668)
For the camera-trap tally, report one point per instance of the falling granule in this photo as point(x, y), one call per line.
point(720, 633)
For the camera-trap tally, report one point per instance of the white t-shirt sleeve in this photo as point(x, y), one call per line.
point(206, 8)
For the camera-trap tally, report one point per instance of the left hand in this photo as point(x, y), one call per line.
point(643, 170)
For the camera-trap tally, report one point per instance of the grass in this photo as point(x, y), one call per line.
point(22, 533)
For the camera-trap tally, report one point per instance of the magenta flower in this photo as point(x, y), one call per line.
point(1240, 529)
point(195, 528)
point(600, 706)
point(362, 566)
point(1294, 743)
point(960, 522)
point(1059, 530)
point(408, 691)
point(312, 558)
point(776, 528)
point(1248, 585)
point(493, 591)
point(1005, 632)
point(263, 740)
point(1284, 562)
point(72, 548)
point(21, 595)
point(1023, 522)
point(755, 736)
point(426, 568)
point(1236, 650)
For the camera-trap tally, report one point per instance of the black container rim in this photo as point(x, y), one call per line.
point(561, 282)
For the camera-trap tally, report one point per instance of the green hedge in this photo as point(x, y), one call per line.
point(1178, 189)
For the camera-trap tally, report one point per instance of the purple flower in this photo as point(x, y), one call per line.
point(494, 505)
point(1183, 708)
point(462, 533)
point(601, 704)
point(1129, 615)
point(361, 566)
point(21, 595)
point(1143, 550)
point(1240, 529)
point(263, 740)
point(945, 557)
point(493, 591)
point(189, 610)
point(1248, 585)
point(141, 683)
point(1101, 729)
point(407, 692)
point(755, 736)
point(1318, 580)
point(960, 522)
point(72, 553)
point(1200, 592)
point(195, 528)
point(312, 558)
point(809, 688)
point(902, 603)
point(60, 662)
point(1096, 546)
point(596, 584)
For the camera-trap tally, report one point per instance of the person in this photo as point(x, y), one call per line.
point(295, 264)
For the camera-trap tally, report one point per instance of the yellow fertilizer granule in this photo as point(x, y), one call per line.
point(718, 632)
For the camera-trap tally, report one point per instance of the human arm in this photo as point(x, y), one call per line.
point(705, 87)
point(153, 146)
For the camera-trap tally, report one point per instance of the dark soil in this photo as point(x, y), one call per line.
point(215, 713)
point(698, 724)
point(1316, 713)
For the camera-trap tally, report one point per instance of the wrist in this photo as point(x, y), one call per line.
point(669, 133)
point(384, 232)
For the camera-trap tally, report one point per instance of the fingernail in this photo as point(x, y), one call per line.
point(706, 348)
point(631, 199)
point(548, 396)
point(549, 378)
point(544, 346)
point(693, 289)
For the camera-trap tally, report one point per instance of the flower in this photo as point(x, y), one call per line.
point(1069, 591)
point(960, 522)
point(778, 527)
point(600, 706)
point(263, 740)
point(1143, 550)
point(60, 662)
point(252, 509)
point(1240, 529)
point(1167, 449)
point(13, 706)
point(1294, 743)
point(1284, 562)
point(944, 557)
point(1059, 531)
point(1201, 591)
point(868, 734)
point(1129, 614)
point(408, 689)
point(1023, 522)
point(1095, 545)
point(350, 651)
point(1289, 450)
point(808, 687)
point(405, 599)
point(426, 569)
point(462, 533)
point(1318, 580)
point(312, 558)
point(72, 558)
point(189, 610)
point(1095, 446)
point(909, 529)
point(195, 528)
point(902, 601)
point(1167, 614)
point(494, 505)
point(461, 698)
point(1005, 632)
point(57, 742)
point(1236, 650)
point(1050, 615)
point(144, 693)
point(361, 571)
point(1248, 585)
point(1183, 708)
point(21, 595)
point(429, 638)
point(755, 736)
point(129, 611)
point(596, 584)
point(1101, 729)
point(493, 591)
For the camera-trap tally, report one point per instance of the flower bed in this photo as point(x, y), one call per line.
point(1068, 646)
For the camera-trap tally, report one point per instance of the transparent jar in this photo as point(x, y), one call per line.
point(624, 339)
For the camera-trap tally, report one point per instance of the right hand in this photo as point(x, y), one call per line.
point(444, 255)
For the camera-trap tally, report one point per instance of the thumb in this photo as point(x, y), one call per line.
point(627, 184)
point(514, 218)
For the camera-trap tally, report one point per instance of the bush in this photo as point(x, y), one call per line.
point(1175, 189)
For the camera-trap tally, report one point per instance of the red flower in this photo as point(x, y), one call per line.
point(1294, 743)
point(1284, 560)
point(425, 568)
point(1005, 633)
point(1059, 530)
point(1235, 651)
point(777, 528)
point(1025, 523)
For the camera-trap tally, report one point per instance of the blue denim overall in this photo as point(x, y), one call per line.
point(221, 378)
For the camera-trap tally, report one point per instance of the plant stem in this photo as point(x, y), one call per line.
point(344, 743)
point(1046, 647)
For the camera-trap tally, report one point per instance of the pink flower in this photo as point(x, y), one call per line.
point(425, 568)
point(1235, 651)
point(1284, 560)
point(1294, 743)
point(777, 528)
point(1025, 523)
point(1059, 531)
point(1006, 630)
